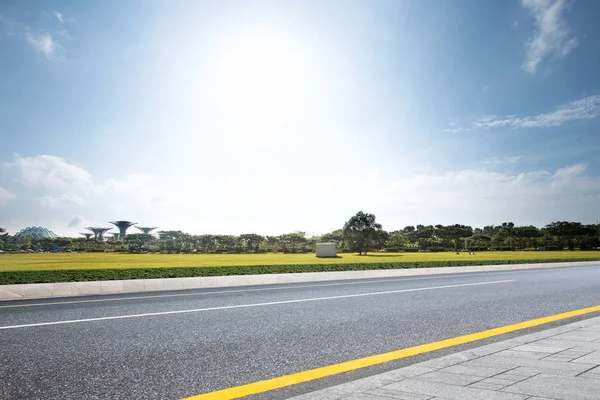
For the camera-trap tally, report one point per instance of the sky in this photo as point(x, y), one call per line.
point(280, 116)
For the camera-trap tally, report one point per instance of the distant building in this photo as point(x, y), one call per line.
point(326, 249)
point(146, 230)
point(123, 226)
point(86, 234)
point(36, 232)
point(98, 232)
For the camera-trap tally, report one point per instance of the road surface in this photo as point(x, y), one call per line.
point(177, 344)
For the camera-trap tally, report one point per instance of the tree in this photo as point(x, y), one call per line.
point(171, 241)
point(525, 236)
point(396, 241)
point(272, 244)
point(207, 243)
point(251, 242)
point(361, 232)
point(568, 231)
point(479, 242)
point(291, 241)
point(456, 233)
point(226, 243)
point(333, 237)
point(137, 242)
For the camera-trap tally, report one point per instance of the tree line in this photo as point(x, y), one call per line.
point(361, 234)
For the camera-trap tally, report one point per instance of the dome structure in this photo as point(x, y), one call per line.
point(37, 232)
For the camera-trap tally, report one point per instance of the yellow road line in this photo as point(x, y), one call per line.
point(305, 376)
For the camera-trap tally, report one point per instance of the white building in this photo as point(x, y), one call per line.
point(326, 249)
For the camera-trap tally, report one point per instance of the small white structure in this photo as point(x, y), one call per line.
point(326, 249)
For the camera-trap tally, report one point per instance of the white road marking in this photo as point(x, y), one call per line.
point(74, 321)
point(299, 285)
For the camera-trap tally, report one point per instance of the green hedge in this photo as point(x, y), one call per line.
point(81, 275)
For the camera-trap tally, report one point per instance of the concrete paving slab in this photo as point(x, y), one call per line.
point(498, 381)
point(343, 391)
point(486, 386)
point(572, 353)
point(585, 336)
point(591, 358)
point(513, 377)
point(521, 354)
point(392, 394)
point(557, 387)
point(448, 378)
point(553, 367)
point(366, 396)
point(539, 398)
point(451, 392)
point(536, 348)
point(590, 376)
point(406, 372)
point(447, 361)
point(594, 371)
point(537, 336)
point(573, 344)
point(483, 372)
point(522, 372)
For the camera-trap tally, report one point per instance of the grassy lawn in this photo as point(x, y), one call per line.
point(85, 261)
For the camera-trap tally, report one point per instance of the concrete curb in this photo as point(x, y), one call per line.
point(67, 289)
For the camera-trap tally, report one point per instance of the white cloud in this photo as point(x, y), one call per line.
point(57, 174)
point(59, 16)
point(240, 204)
point(481, 197)
point(458, 129)
point(44, 43)
point(50, 171)
point(552, 38)
point(586, 108)
point(5, 196)
point(129, 182)
point(76, 221)
point(51, 201)
point(503, 160)
point(568, 174)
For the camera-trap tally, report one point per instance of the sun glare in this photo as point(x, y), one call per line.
point(263, 78)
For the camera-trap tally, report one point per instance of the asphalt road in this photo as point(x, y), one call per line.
point(177, 344)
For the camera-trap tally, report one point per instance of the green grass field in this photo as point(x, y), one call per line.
point(83, 261)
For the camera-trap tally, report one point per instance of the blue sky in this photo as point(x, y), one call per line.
point(270, 116)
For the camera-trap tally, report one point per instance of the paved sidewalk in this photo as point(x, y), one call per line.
point(561, 363)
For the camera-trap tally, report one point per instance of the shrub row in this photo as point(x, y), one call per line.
point(82, 275)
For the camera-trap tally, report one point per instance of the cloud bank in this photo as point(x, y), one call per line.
point(472, 196)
